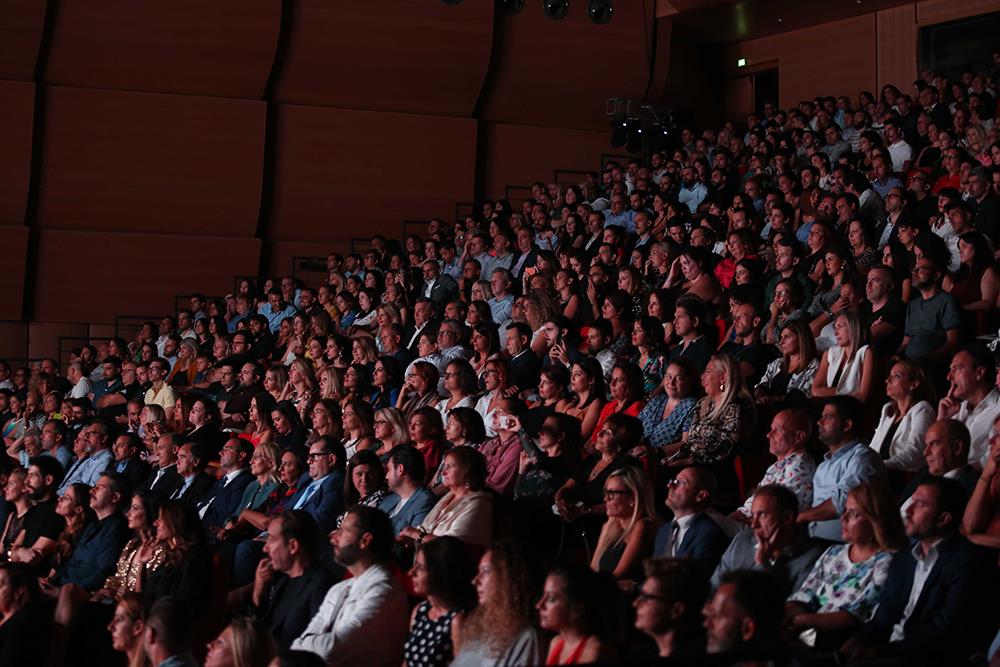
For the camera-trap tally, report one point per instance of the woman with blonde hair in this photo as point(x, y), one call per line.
point(127, 627)
point(363, 351)
point(847, 368)
point(899, 436)
point(481, 291)
point(275, 380)
point(500, 630)
point(330, 384)
point(723, 419)
point(185, 368)
point(390, 430)
point(264, 468)
point(244, 643)
point(301, 387)
point(628, 534)
point(842, 590)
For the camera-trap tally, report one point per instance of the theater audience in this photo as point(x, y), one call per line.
point(784, 214)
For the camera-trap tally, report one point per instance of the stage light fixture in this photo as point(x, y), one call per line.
point(555, 9)
point(600, 11)
point(512, 7)
point(634, 143)
point(619, 133)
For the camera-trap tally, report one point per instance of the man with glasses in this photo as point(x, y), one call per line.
point(951, 161)
point(692, 533)
point(160, 393)
point(667, 607)
point(932, 317)
point(322, 498)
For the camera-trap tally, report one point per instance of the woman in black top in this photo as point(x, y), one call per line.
point(23, 626)
point(184, 568)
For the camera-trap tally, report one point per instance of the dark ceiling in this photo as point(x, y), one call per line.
point(726, 21)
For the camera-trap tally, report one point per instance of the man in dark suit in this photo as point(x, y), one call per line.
point(692, 533)
point(164, 479)
point(234, 476)
point(289, 585)
point(439, 288)
point(127, 462)
point(935, 607)
point(525, 366)
point(195, 482)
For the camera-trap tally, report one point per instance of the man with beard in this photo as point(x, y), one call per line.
point(42, 526)
point(363, 620)
point(744, 615)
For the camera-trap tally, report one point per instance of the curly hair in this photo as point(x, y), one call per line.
point(498, 620)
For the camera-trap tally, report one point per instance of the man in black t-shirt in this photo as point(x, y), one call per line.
point(42, 526)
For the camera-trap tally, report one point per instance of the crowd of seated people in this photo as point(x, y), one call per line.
point(730, 401)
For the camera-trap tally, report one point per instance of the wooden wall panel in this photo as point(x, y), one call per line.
point(172, 164)
point(43, 338)
point(896, 46)
point(930, 12)
point(21, 25)
point(392, 55)
point(518, 155)
point(13, 266)
point(811, 63)
point(14, 342)
point(92, 277)
point(340, 172)
point(739, 98)
point(561, 73)
point(17, 104)
point(222, 48)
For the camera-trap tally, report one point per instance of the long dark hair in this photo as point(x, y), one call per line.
point(450, 570)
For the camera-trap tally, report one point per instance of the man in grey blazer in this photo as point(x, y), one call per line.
point(409, 501)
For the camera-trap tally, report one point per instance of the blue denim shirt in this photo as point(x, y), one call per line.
point(841, 471)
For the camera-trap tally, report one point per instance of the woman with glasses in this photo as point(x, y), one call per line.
point(460, 383)
point(390, 430)
point(582, 496)
point(497, 380)
point(628, 533)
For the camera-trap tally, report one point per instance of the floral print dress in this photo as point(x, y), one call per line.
point(837, 584)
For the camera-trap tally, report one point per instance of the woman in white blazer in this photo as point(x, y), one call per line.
point(899, 436)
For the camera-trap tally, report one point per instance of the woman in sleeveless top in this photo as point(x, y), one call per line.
point(442, 571)
point(848, 368)
point(574, 606)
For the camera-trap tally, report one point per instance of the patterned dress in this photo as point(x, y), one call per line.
point(837, 584)
point(429, 642)
point(659, 431)
point(714, 439)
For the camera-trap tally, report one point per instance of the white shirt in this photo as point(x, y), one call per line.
point(362, 621)
point(683, 524)
point(900, 152)
point(81, 388)
point(925, 563)
point(979, 421)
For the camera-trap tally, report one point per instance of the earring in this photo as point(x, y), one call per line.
point(722, 387)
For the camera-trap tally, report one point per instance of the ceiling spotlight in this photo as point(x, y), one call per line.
point(619, 133)
point(600, 11)
point(634, 143)
point(555, 9)
point(512, 6)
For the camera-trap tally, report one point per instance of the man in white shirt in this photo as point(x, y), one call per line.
point(900, 151)
point(363, 620)
point(973, 399)
point(81, 384)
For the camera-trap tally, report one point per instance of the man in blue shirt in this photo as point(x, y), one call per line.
point(619, 215)
point(275, 310)
point(848, 463)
